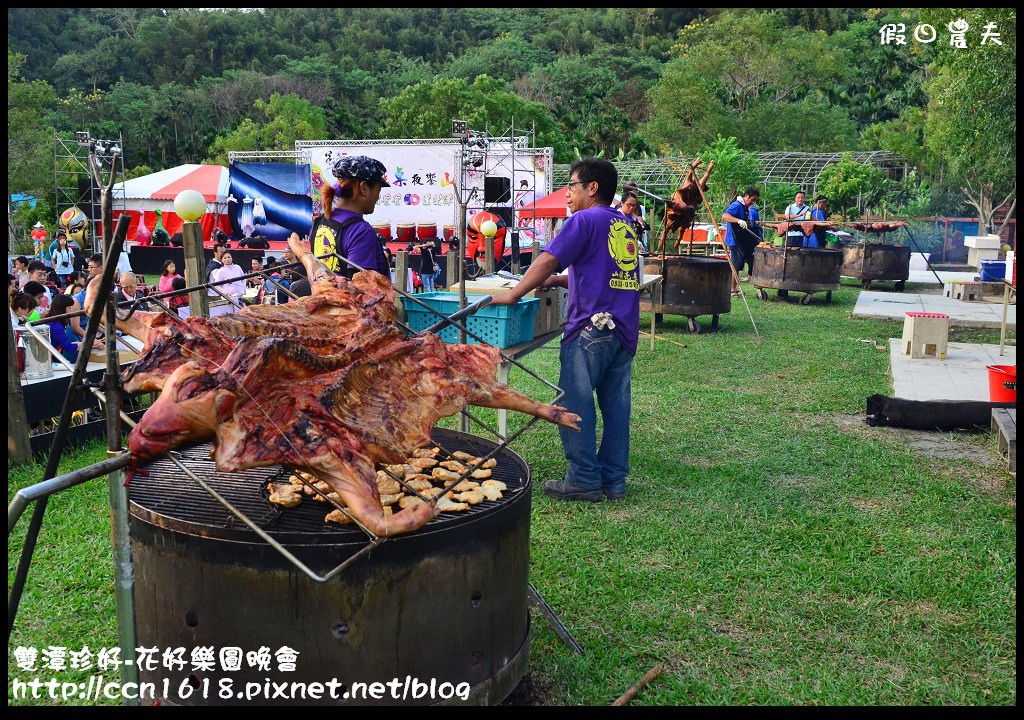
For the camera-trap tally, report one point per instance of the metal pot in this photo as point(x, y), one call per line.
point(692, 286)
point(876, 261)
point(807, 270)
point(446, 603)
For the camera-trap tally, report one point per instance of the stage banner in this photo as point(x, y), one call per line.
point(422, 187)
point(270, 199)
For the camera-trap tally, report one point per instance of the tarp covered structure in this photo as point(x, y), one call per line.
point(143, 195)
point(552, 205)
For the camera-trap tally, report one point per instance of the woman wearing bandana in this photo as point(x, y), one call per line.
point(359, 182)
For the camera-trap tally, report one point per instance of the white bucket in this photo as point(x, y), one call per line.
point(38, 361)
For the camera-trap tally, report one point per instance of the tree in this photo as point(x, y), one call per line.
point(971, 127)
point(287, 118)
point(29, 138)
point(850, 185)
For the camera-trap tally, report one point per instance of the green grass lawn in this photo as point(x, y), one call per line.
point(773, 548)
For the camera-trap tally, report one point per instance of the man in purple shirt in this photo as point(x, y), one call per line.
point(599, 248)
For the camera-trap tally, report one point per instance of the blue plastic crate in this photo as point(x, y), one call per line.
point(499, 325)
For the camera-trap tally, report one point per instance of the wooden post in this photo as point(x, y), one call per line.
point(19, 449)
point(192, 237)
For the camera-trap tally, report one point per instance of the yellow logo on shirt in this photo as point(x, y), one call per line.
point(622, 245)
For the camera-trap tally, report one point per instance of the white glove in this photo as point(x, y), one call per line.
point(742, 224)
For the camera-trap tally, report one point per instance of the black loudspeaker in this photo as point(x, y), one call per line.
point(87, 197)
point(505, 213)
point(497, 190)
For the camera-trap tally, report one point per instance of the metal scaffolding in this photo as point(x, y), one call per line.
point(663, 175)
point(74, 184)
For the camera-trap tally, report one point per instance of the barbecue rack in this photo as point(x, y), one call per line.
point(120, 459)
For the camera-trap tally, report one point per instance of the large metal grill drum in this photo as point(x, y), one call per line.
point(446, 603)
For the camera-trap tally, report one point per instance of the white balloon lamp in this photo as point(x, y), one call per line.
point(190, 205)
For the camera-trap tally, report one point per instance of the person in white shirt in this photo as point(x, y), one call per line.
point(229, 271)
point(797, 211)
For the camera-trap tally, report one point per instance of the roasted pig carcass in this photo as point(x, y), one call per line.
point(335, 411)
point(807, 227)
point(877, 227)
point(321, 322)
point(682, 209)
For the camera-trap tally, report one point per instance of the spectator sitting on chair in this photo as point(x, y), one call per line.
point(230, 271)
point(180, 299)
point(38, 272)
point(127, 291)
point(23, 306)
point(215, 264)
point(21, 271)
point(63, 304)
point(167, 275)
point(37, 291)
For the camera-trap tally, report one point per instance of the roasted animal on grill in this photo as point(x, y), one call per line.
point(321, 322)
point(682, 209)
point(807, 227)
point(877, 227)
point(336, 411)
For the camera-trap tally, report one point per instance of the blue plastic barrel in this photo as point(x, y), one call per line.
point(992, 270)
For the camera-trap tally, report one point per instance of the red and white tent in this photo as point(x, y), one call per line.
point(143, 195)
point(552, 205)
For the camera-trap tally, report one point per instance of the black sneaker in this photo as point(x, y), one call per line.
point(615, 495)
point(564, 490)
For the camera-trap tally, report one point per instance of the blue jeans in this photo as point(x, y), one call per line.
point(428, 280)
point(595, 361)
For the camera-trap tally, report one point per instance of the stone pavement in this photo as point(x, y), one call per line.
point(963, 375)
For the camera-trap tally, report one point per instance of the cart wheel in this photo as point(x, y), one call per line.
point(806, 299)
point(714, 321)
point(693, 325)
point(900, 284)
point(783, 293)
point(865, 284)
point(828, 296)
point(761, 294)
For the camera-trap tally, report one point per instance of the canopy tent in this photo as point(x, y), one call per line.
point(144, 195)
point(552, 205)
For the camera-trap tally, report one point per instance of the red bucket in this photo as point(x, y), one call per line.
point(1002, 383)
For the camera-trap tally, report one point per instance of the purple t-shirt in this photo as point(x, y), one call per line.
point(360, 244)
point(599, 247)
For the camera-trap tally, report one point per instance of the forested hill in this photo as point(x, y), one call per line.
point(189, 85)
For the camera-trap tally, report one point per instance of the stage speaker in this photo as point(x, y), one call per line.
point(497, 190)
point(87, 197)
point(505, 213)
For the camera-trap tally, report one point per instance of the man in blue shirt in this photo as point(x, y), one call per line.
point(740, 237)
point(819, 238)
point(598, 246)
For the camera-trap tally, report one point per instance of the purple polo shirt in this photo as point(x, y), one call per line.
point(359, 243)
point(599, 247)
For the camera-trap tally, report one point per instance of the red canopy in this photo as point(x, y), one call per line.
point(550, 206)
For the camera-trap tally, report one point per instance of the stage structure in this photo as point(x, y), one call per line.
point(424, 175)
point(74, 184)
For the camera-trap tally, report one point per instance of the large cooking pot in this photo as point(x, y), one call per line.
point(692, 286)
point(445, 606)
point(876, 261)
point(807, 270)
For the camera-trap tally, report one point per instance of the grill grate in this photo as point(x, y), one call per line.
point(166, 498)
